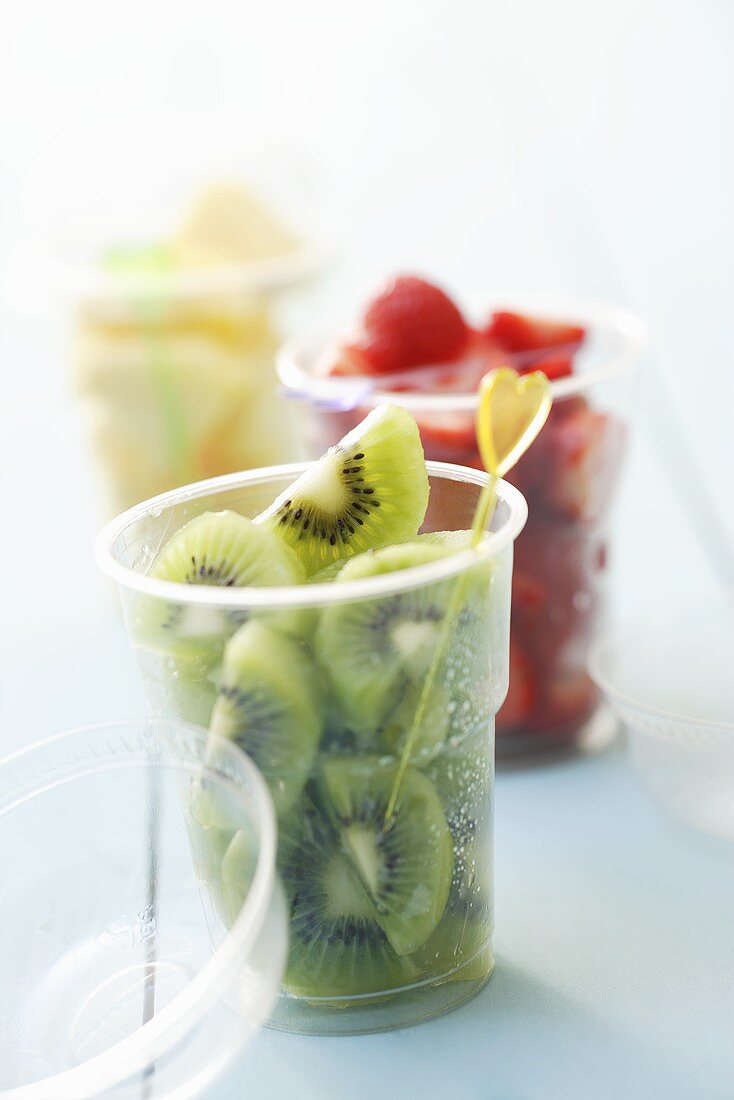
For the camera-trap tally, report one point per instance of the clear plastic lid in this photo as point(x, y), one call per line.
point(137, 967)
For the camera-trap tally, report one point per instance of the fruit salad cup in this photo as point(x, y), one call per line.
point(365, 691)
point(174, 344)
point(569, 476)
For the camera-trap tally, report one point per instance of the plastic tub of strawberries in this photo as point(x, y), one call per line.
point(414, 346)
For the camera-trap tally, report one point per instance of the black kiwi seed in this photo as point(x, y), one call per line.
point(221, 574)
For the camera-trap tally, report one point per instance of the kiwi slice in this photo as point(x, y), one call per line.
point(405, 866)
point(190, 684)
point(269, 702)
point(209, 834)
point(463, 777)
point(452, 540)
point(361, 897)
point(373, 649)
point(370, 490)
point(433, 728)
point(238, 870)
point(329, 573)
point(337, 947)
point(212, 821)
point(221, 549)
point(459, 948)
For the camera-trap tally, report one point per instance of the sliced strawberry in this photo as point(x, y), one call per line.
point(570, 698)
point(528, 593)
point(585, 450)
point(349, 361)
point(409, 323)
point(521, 695)
point(552, 366)
point(451, 433)
point(519, 332)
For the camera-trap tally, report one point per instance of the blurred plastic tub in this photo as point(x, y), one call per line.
point(670, 682)
point(122, 975)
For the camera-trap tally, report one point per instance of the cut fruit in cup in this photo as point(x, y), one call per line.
point(270, 704)
point(369, 490)
point(521, 333)
point(585, 450)
point(408, 323)
point(372, 650)
point(522, 690)
point(363, 897)
point(218, 549)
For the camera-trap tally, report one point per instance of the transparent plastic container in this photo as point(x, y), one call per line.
point(669, 680)
point(568, 477)
point(175, 374)
point(388, 873)
point(124, 975)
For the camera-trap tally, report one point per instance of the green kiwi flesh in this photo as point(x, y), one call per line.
point(228, 550)
point(362, 896)
point(337, 947)
point(433, 727)
point(372, 650)
point(369, 490)
point(270, 703)
point(463, 776)
point(216, 549)
point(238, 870)
point(406, 865)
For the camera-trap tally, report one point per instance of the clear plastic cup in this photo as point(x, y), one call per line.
point(568, 478)
point(668, 679)
point(176, 378)
point(124, 974)
point(388, 873)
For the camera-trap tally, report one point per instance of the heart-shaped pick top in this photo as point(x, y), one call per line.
point(511, 412)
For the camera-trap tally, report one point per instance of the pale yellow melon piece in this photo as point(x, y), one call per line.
point(217, 314)
point(228, 224)
point(177, 408)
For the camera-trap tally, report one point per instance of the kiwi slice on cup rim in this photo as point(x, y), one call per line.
point(369, 490)
point(216, 549)
point(180, 645)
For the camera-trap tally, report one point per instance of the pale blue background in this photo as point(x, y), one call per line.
point(571, 146)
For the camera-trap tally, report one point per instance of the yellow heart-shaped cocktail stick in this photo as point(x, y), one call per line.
point(511, 411)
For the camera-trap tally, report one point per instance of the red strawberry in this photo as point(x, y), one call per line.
point(518, 333)
point(521, 695)
point(552, 366)
point(585, 450)
point(409, 323)
point(448, 436)
point(528, 593)
point(570, 698)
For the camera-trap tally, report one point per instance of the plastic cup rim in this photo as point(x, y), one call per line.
point(305, 595)
point(152, 1039)
point(602, 650)
point(298, 381)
